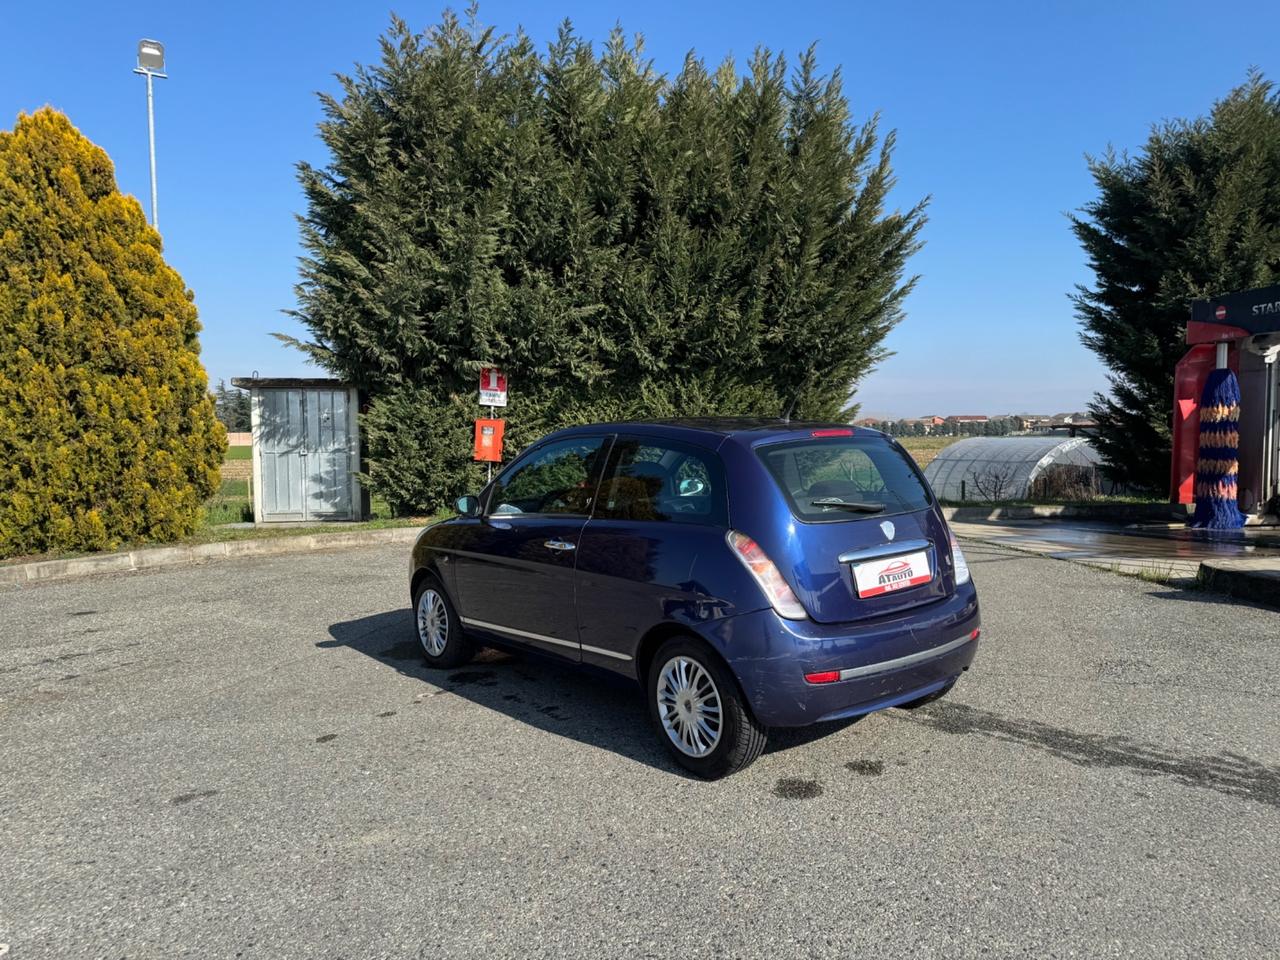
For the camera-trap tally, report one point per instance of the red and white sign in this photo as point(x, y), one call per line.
point(489, 440)
point(1220, 313)
point(493, 387)
point(892, 573)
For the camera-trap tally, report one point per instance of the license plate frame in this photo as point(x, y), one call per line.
point(892, 574)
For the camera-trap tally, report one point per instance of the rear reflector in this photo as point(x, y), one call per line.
point(975, 635)
point(826, 676)
point(832, 433)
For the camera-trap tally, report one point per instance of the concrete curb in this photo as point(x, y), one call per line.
point(1248, 579)
point(153, 557)
point(1130, 512)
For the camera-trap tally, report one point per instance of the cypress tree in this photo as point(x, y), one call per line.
point(107, 429)
point(232, 407)
point(622, 243)
point(1195, 214)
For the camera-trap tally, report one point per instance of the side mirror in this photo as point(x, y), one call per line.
point(468, 506)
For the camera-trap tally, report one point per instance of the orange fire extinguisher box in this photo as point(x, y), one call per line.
point(489, 440)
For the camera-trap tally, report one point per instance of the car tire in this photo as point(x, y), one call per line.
point(437, 627)
point(687, 686)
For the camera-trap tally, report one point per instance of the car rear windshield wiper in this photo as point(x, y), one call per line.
point(860, 506)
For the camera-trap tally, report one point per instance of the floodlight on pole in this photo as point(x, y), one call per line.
point(151, 66)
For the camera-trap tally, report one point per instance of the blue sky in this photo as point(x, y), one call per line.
point(995, 105)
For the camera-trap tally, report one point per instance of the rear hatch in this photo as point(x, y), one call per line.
point(868, 541)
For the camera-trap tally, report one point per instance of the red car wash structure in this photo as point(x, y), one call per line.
point(1240, 331)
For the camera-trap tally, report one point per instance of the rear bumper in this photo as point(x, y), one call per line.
point(882, 664)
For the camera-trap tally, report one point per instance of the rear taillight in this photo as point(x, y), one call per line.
point(832, 432)
point(767, 575)
point(824, 676)
point(962, 565)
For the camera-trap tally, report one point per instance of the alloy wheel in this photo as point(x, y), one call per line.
point(433, 623)
point(689, 706)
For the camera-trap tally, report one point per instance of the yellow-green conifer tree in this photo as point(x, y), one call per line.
point(107, 429)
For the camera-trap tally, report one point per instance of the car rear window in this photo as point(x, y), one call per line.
point(860, 470)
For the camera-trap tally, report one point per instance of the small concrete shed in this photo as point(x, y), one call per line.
point(306, 449)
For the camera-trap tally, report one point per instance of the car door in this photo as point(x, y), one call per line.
point(661, 505)
point(514, 574)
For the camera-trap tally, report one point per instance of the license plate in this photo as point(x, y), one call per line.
point(887, 574)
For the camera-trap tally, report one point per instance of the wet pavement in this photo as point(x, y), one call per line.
point(1174, 544)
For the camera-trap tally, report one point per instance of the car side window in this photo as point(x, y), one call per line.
point(559, 478)
point(657, 480)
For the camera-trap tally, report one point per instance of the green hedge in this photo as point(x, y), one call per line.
point(622, 243)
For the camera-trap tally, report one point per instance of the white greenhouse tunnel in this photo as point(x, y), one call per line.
point(1007, 468)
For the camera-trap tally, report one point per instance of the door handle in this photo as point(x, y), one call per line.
point(559, 545)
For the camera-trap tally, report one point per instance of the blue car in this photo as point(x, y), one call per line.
point(747, 573)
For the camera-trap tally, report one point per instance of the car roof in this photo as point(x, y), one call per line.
point(712, 431)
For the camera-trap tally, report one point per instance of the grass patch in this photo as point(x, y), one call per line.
point(232, 504)
point(239, 453)
point(223, 510)
point(233, 488)
point(924, 449)
point(1158, 574)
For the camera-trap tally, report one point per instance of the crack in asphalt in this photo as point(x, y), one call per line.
point(182, 798)
point(1230, 773)
point(76, 655)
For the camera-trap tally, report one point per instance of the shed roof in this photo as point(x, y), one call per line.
point(288, 383)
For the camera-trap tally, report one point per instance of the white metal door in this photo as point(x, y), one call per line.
point(328, 455)
point(281, 436)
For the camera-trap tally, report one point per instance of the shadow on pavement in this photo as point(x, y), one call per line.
point(591, 706)
point(981, 558)
point(1193, 594)
point(1230, 773)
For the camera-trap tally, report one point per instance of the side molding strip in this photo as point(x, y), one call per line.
point(498, 628)
point(526, 635)
point(586, 648)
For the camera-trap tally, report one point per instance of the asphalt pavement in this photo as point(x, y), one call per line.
point(247, 758)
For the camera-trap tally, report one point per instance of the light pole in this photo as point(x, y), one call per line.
point(151, 66)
